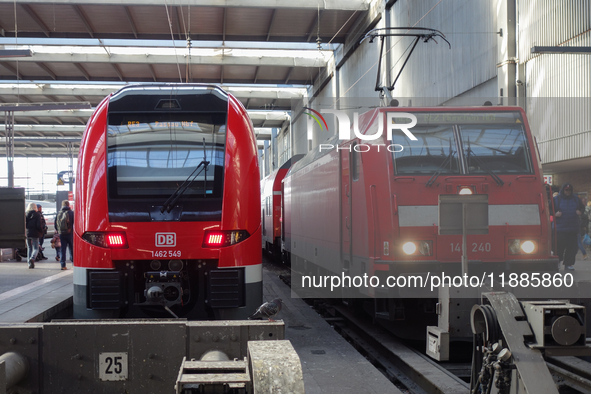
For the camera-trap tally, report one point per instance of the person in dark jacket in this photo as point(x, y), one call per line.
point(583, 231)
point(34, 231)
point(568, 208)
point(44, 227)
point(66, 231)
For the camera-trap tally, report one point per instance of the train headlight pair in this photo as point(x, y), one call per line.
point(173, 265)
point(412, 248)
point(522, 246)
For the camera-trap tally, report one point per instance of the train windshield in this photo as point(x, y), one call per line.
point(465, 143)
point(152, 154)
point(495, 148)
point(434, 150)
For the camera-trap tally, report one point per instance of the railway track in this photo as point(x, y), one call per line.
point(409, 369)
point(413, 372)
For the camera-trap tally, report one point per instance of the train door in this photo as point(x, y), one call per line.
point(346, 209)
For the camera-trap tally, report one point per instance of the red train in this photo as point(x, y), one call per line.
point(167, 219)
point(356, 207)
point(271, 212)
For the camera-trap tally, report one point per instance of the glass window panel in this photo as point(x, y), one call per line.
point(434, 150)
point(153, 154)
point(500, 149)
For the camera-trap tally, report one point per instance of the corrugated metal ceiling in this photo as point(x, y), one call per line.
point(146, 20)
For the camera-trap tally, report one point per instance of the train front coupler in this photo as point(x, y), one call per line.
point(163, 288)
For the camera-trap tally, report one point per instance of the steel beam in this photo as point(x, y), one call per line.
point(246, 57)
point(130, 43)
point(83, 19)
point(15, 52)
point(268, 115)
point(313, 4)
point(224, 25)
point(101, 90)
point(178, 21)
point(43, 106)
point(564, 50)
point(131, 22)
point(256, 74)
point(118, 71)
point(36, 18)
point(47, 140)
point(82, 70)
point(7, 66)
point(47, 70)
point(271, 24)
point(153, 72)
point(288, 75)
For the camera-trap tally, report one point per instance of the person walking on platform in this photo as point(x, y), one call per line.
point(57, 245)
point(584, 228)
point(588, 214)
point(568, 208)
point(65, 226)
point(34, 231)
point(44, 227)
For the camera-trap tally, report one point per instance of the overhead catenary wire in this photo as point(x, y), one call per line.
point(387, 52)
point(187, 29)
point(344, 24)
point(173, 43)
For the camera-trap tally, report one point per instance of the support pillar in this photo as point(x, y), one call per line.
point(9, 131)
point(507, 52)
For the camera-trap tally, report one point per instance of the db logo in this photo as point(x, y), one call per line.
point(165, 239)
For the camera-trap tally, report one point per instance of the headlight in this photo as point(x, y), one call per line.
point(522, 246)
point(409, 248)
point(528, 247)
point(175, 265)
point(424, 248)
point(465, 190)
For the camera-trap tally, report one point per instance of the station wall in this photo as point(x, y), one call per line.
point(554, 89)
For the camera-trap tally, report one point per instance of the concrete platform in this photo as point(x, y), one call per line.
point(330, 364)
point(37, 301)
point(33, 295)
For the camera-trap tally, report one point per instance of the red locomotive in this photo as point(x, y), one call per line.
point(167, 219)
point(357, 207)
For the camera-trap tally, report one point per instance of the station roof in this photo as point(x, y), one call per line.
point(262, 51)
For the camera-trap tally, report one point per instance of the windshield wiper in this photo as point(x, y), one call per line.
point(469, 151)
point(169, 204)
point(441, 166)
